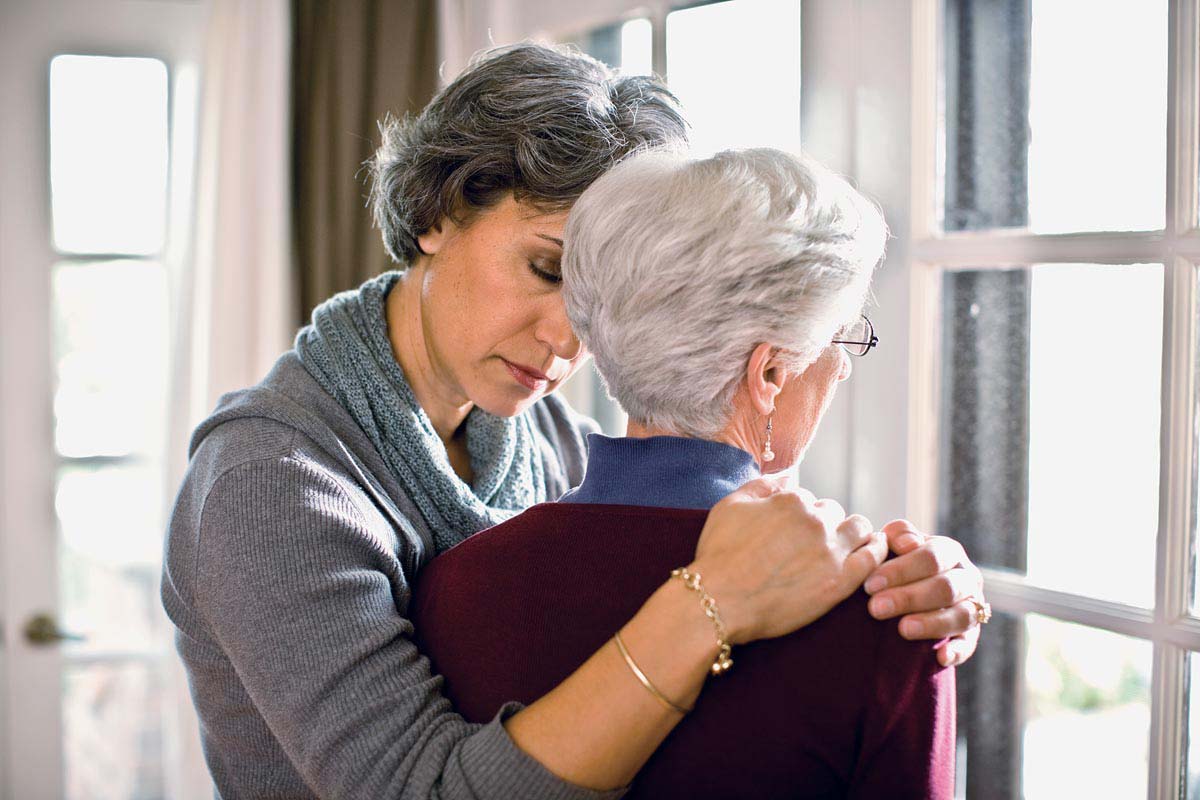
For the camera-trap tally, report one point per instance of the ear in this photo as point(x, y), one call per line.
point(432, 240)
point(764, 378)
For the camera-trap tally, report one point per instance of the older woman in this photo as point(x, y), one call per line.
point(414, 413)
point(719, 298)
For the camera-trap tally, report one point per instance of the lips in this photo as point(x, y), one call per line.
point(532, 379)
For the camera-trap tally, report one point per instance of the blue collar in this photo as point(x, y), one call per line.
point(661, 471)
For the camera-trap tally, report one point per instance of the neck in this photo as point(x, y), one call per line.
point(736, 434)
point(441, 400)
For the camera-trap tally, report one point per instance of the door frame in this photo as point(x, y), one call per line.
point(32, 32)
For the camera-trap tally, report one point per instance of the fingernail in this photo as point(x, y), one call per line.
point(875, 583)
point(882, 606)
point(911, 628)
point(908, 539)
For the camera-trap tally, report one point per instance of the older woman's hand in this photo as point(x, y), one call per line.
point(929, 587)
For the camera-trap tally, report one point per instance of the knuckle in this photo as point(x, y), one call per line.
point(926, 560)
point(787, 500)
point(832, 506)
point(859, 521)
point(944, 591)
point(900, 526)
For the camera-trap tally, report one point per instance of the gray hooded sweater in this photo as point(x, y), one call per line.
point(289, 563)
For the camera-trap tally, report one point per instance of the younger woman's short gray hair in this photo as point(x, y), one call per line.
point(539, 121)
point(676, 268)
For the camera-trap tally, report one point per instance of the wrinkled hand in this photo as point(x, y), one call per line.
point(928, 587)
point(776, 560)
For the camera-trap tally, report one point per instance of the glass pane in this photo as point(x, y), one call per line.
point(1087, 723)
point(110, 521)
point(108, 154)
point(1051, 709)
point(735, 67)
point(1195, 521)
point(635, 47)
point(111, 343)
point(1193, 736)
point(625, 46)
point(1035, 139)
point(1050, 421)
point(112, 719)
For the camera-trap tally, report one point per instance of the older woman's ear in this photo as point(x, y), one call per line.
point(764, 378)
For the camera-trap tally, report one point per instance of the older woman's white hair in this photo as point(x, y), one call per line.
point(676, 268)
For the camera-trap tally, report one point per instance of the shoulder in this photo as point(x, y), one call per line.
point(261, 495)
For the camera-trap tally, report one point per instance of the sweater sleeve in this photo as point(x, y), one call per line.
point(908, 733)
point(289, 580)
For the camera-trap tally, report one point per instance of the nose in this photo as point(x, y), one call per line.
point(554, 330)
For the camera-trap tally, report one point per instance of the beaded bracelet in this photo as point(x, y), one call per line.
point(724, 660)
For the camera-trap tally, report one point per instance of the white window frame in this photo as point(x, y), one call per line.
point(1172, 627)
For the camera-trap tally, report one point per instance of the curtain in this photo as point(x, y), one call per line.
point(232, 290)
point(353, 62)
point(985, 472)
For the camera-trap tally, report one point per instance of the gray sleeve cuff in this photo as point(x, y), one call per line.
point(506, 771)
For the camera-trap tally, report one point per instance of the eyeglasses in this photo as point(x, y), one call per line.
point(858, 337)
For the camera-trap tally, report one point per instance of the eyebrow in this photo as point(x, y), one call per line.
point(550, 239)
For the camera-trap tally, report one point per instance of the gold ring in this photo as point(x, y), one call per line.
point(983, 610)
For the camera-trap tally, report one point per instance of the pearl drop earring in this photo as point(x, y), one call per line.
point(768, 454)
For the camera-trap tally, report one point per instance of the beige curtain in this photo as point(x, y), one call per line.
point(234, 306)
point(353, 61)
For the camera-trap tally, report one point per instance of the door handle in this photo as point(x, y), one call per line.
point(41, 630)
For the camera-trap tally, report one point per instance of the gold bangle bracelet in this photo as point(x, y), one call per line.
point(641, 676)
point(724, 660)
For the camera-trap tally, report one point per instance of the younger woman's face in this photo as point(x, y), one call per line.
point(492, 312)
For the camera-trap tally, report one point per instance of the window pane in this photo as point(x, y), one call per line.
point(1035, 139)
point(1193, 737)
point(1087, 712)
point(625, 46)
point(112, 716)
point(1050, 709)
point(110, 521)
point(111, 335)
point(1050, 420)
point(1195, 521)
point(108, 154)
point(735, 67)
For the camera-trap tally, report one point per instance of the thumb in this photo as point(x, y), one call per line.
point(903, 536)
point(865, 560)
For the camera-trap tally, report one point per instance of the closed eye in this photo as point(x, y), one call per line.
point(553, 278)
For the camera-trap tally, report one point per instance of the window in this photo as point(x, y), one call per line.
point(1055, 332)
point(108, 171)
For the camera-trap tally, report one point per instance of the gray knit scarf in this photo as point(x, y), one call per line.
point(346, 349)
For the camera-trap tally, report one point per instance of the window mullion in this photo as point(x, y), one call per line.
point(995, 248)
point(658, 38)
point(1183, 117)
point(1168, 732)
point(1177, 485)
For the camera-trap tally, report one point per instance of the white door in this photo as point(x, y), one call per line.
point(103, 89)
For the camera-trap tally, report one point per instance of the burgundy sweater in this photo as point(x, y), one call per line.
point(844, 707)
